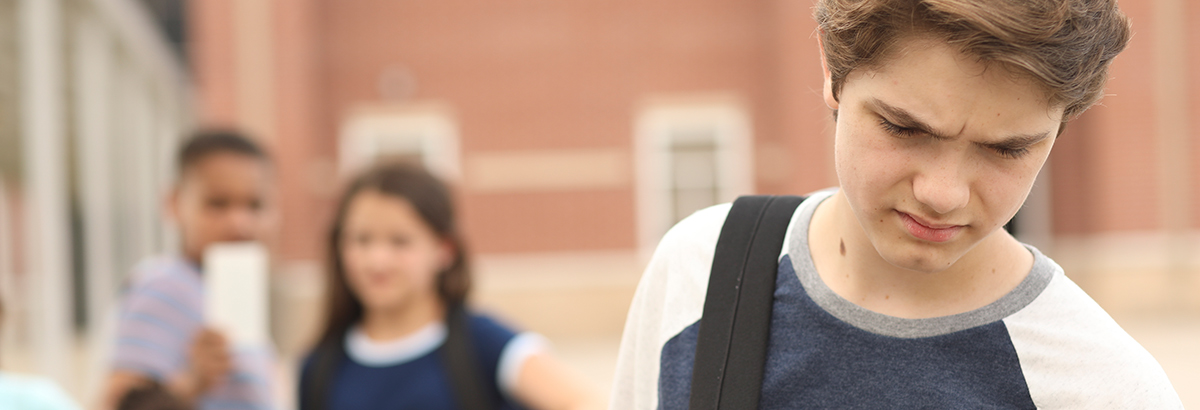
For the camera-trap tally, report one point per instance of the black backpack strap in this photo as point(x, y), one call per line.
point(731, 349)
point(467, 380)
point(317, 380)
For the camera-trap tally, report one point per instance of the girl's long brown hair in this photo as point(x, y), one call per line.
point(432, 200)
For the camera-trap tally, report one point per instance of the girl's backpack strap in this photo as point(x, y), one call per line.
point(731, 348)
point(316, 381)
point(467, 380)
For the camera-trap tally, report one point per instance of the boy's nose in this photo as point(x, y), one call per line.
point(942, 188)
point(243, 223)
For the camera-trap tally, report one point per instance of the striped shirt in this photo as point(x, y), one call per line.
point(160, 314)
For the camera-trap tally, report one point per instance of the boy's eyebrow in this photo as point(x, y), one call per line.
point(907, 120)
point(1017, 141)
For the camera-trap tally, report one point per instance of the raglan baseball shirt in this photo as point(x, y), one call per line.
point(1044, 345)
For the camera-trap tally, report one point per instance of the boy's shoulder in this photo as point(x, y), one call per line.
point(1073, 352)
point(688, 247)
point(679, 269)
point(165, 271)
point(165, 286)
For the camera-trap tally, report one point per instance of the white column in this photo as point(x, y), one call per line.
point(141, 155)
point(48, 254)
point(93, 75)
point(167, 136)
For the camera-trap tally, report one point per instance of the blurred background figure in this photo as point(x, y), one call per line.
point(23, 392)
point(398, 331)
point(221, 194)
point(574, 134)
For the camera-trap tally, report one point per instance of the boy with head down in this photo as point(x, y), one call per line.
point(899, 288)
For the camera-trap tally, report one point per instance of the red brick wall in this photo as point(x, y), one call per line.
point(1126, 148)
point(1072, 180)
point(211, 54)
point(306, 180)
point(795, 116)
point(540, 74)
point(1193, 36)
point(1105, 172)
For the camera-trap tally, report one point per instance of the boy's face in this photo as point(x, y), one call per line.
point(936, 151)
point(223, 197)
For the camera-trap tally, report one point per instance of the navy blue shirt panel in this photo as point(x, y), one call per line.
point(816, 361)
point(422, 383)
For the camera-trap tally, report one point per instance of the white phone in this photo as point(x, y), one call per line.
point(236, 298)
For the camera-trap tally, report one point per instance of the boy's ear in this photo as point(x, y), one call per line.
point(827, 89)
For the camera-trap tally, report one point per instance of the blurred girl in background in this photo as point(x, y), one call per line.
point(397, 332)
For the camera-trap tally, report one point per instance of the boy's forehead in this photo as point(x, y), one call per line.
point(952, 91)
point(224, 165)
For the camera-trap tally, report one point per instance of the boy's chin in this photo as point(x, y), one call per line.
point(920, 258)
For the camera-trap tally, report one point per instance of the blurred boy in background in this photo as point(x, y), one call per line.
point(221, 194)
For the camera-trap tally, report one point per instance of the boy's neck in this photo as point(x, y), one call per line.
point(984, 274)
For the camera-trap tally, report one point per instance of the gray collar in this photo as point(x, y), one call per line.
point(878, 323)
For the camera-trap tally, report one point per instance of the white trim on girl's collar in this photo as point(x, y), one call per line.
point(371, 353)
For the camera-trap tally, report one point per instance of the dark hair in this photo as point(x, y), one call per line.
point(206, 142)
point(1065, 45)
point(151, 397)
point(431, 198)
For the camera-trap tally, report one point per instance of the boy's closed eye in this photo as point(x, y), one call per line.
point(1011, 148)
point(218, 203)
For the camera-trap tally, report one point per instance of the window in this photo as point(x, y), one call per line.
point(691, 156)
point(422, 134)
point(693, 182)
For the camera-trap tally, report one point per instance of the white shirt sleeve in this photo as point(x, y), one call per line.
point(669, 298)
point(1074, 356)
point(514, 356)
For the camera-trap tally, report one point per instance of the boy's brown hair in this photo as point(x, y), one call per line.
point(1065, 45)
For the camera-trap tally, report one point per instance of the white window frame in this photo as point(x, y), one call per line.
point(656, 127)
point(429, 127)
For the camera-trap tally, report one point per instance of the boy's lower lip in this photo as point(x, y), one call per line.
point(920, 231)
